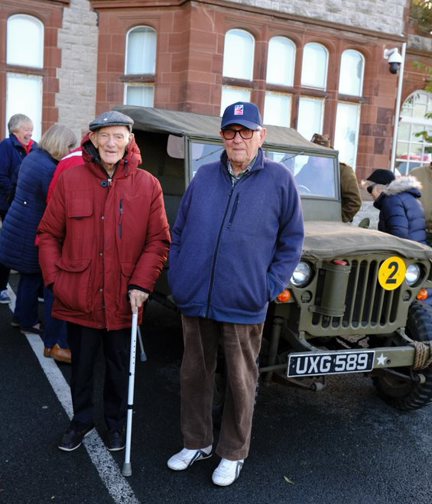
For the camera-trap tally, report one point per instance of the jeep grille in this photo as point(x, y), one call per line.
point(367, 304)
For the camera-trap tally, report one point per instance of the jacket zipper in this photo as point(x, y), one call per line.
point(121, 219)
point(233, 212)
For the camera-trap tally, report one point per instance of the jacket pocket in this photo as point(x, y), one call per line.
point(72, 285)
point(80, 206)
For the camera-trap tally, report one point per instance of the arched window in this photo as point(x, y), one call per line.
point(25, 41)
point(140, 61)
point(280, 71)
point(141, 51)
point(314, 66)
point(281, 61)
point(25, 48)
point(351, 73)
point(239, 52)
point(412, 148)
point(238, 63)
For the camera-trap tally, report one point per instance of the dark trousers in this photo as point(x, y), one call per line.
point(84, 343)
point(4, 270)
point(54, 330)
point(26, 306)
point(241, 345)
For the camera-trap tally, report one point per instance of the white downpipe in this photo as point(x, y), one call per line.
point(397, 109)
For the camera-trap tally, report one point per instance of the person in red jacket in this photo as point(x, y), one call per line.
point(103, 242)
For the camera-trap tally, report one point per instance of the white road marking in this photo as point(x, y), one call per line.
point(106, 466)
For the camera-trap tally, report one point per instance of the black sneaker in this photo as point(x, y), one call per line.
point(115, 440)
point(73, 437)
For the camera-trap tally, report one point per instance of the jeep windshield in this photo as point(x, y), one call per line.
point(314, 175)
point(175, 144)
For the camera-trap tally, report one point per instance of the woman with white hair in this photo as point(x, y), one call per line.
point(12, 151)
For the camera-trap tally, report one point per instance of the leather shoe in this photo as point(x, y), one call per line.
point(47, 352)
point(60, 354)
point(73, 437)
point(115, 440)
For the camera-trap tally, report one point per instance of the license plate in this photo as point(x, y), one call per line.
point(325, 363)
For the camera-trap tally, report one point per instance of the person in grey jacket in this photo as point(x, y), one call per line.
point(237, 239)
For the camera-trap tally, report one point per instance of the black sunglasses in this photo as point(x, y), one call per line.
point(369, 189)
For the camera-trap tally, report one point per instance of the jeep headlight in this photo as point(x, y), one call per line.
point(302, 274)
point(412, 274)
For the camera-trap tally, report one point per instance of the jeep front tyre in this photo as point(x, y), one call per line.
point(408, 395)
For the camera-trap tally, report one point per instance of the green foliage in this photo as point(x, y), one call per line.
point(421, 12)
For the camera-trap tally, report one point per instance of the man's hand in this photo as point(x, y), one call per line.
point(137, 299)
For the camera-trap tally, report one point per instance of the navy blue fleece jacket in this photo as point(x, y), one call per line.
point(235, 248)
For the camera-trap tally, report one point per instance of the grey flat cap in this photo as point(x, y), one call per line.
point(111, 118)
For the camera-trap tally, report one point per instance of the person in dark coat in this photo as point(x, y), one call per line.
point(17, 238)
point(397, 199)
point(12, 151)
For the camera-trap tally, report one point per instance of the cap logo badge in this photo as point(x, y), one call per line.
point(238, 109)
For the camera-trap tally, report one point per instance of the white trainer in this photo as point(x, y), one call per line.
point(185, 458)
point(227, 472)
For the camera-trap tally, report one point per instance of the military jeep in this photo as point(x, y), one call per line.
point(353, 304)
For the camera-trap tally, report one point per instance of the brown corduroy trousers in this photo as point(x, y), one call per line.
point(241, 345)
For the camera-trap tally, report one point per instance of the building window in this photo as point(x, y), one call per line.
point(239, 52)
point(348, 114)
point(25, 41)
point(347, 132)
point(310, 116)
point(140, 94)
point(314, 66)
point(25, 62)
point(280, 72)
point(351, 73)
point(231, 94)
point(412, 149)
point(140, 66)
point(281, 61)
point(238, 63)
point(277, 109)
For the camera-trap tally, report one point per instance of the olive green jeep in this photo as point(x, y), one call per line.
point(352, 304)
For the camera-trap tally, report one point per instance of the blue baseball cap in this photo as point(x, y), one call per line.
point(243, 113)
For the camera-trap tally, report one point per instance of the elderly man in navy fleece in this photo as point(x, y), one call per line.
point(236, 242)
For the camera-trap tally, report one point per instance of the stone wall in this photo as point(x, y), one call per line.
point(78, 41)
point(380, 15)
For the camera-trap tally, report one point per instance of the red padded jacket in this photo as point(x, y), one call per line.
point(97, 237)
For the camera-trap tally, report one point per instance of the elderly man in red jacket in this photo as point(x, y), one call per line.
point(103, 241)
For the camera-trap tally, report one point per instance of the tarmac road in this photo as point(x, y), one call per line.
point(340, 445)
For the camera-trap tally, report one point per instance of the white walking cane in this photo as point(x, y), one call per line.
point(127, 468)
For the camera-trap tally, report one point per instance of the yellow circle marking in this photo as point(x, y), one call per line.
point(392, 273)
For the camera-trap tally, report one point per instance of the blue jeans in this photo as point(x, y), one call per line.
point(55, 330)
point(26, 307)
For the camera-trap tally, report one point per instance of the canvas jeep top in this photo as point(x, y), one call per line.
point(353, 304)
